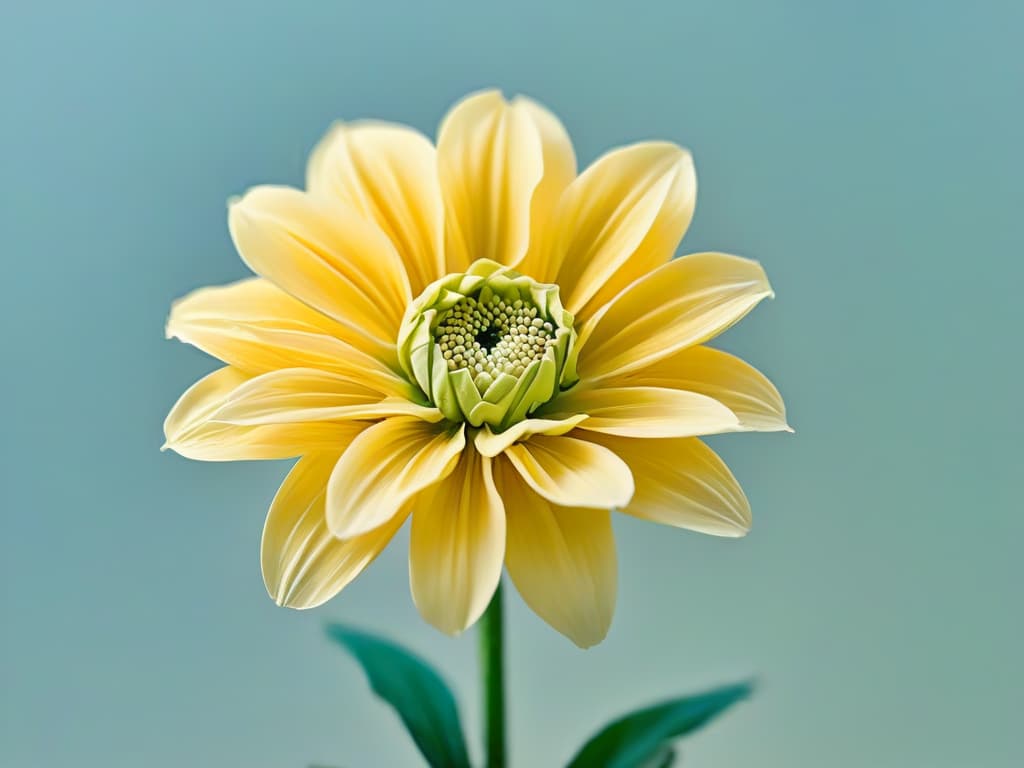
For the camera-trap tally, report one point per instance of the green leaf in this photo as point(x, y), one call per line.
point(663, 758)
point(637, 739)
point(414, 690)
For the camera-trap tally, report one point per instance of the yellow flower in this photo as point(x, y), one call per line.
point(475, 336)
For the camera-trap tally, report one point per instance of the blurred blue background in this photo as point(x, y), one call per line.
point(868, 153)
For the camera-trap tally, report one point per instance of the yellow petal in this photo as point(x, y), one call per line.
point(683, 303)
point(327, 256)
point(644, 412)
point(571, 472)
point(683, 483)
point(190, 431)
point(384, 467)
point(304, 565)
point(457, 546)
point(491, 444)
point(388, 173)
point(490, 160)
point(294, 395)
point(739, 386)
point(559, 171)
point(561, 559)
point(623, 217)
point(256, 327)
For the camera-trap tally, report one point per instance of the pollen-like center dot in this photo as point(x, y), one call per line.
point(492, 337)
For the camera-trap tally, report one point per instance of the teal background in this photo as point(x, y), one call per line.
point(868, 153)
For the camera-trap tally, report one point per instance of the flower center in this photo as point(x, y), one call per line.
point(490, 338)
point(488, 346)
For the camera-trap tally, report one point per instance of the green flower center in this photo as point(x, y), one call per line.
point(488, 346)
point(490, 338)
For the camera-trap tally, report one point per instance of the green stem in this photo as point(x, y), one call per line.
point(492, 672)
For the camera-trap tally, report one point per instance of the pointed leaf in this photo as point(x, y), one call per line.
point(416, 692)
point(663, 758)
point(638, 738)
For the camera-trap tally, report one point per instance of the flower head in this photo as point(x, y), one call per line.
point(478, 338)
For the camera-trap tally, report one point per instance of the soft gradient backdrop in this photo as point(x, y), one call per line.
point(869, 153)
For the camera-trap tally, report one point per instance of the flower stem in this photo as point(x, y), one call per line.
point(492, 673)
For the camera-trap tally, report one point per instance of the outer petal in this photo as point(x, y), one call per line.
point(386, 466)
point(571, 472)
point(623, 217)
point(191, 432)
point(329, 257)
point(644, 412)
point(294, 395)
point(256, 327)
point(562, 560)
point(457, 547)
point(682, 483)
point(304, 565)
point(683, 303)
point(388, 173)
point(490, 160)
point(739, 386)
point(559, 172)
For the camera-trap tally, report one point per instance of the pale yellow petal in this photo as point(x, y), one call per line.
point(457, 546)
point(329, 257)
point(623, 217)
point(190, 431)
point(294, 395)
point(213, 441)
point(683, 303)
point(736, 384)
point(644, 411)
point(559, 171)
point(200, 400)
point(491, 444)
point(304, 565)
point(386, 466)
point(561, 559)
point(256, 327)
point(683, 483)
point(388, 173)
point(571, 472)
point(490, 160)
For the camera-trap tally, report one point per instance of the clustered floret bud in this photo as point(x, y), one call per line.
point(492, 337)
point(488, 346)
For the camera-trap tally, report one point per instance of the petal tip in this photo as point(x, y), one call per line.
point(285, 596)
point(586, 641)
point(172, 324)
point(623, 500)
point(740, 530)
